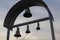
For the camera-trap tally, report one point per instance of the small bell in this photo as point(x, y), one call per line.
point(17, 34)
point(38, 28)
point(27, 13)
point(27, 31)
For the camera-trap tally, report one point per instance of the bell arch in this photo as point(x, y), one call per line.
point(19, 7)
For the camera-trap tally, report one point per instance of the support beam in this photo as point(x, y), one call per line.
point(30, 22)
point(52, 30)
point(8, 34)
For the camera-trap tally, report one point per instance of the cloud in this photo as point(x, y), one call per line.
point(8, 3)
point(2, 37)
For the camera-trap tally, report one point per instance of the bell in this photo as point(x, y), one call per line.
point(27, 13)
point(17, 34)
point(27, 31)
point(38, 28)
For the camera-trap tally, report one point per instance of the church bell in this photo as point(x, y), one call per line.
point(27, 31)
point(38, 28)
point(17, 34)
point(27, 13)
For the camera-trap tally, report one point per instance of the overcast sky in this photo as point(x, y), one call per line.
point(37, 12)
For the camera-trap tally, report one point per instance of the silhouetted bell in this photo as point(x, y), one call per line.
point(17, 34)
point(27, 31)
point(38, 28)
point(27, 13)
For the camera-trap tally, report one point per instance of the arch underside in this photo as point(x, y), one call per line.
point(18, 8)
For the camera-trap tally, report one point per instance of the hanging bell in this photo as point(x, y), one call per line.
point(38, 28)
point(27, 13)
point(27, 31)
point(17, 34)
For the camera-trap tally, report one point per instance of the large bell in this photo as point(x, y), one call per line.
point(27, 13)
point(38, 28)
point(27, 31)
point(17, 34)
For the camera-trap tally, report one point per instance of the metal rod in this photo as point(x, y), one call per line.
point(52, 30)
point(8, 34)
point(30, 22)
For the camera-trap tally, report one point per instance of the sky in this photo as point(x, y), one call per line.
point(37, 12)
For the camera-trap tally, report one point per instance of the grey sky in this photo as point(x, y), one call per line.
point(54, 6)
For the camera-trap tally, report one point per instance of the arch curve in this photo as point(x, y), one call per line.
point(19, 7)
